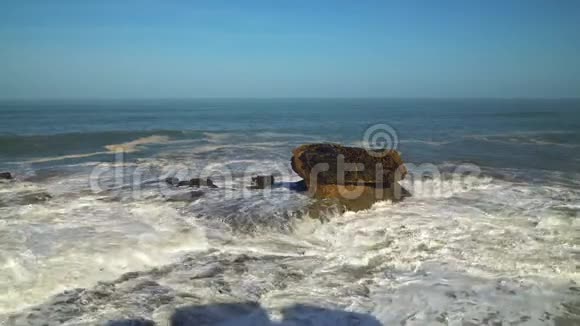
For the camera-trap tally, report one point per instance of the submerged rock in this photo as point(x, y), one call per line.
point(6, 176)
point(262, 181)
point(34, 198)
point(186, 197)
point(328, 202)
point(298, 186)
point(355, 198)
point(195, 182)
point(25, 198)
point(353, 177)
point(172, 181)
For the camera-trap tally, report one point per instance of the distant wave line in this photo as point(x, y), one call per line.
point(128, 147)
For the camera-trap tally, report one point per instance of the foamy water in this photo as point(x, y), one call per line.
point(485, 249)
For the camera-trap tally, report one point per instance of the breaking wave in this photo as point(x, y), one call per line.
point(133, 145)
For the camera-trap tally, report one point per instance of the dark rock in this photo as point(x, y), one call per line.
point(6, 176)
point(188, 196)
point(262, 181)
point(172, 181)
point(197, 182)
point(131, 322)
point(242, 258)
point(210, 183)
point(35, 198)
point(129, 276)
point(220, 314)
point(299, 186)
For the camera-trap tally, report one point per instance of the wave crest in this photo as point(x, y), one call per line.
point(133, 145)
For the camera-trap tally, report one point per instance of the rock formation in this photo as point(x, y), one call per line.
point(353, 177)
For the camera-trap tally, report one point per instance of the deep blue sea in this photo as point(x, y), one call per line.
point(535, 134)
point(497, 246)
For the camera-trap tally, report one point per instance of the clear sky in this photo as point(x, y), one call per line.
point(275, 48)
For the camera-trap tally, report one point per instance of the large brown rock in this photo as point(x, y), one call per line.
point(353, 177)
point(341, 165)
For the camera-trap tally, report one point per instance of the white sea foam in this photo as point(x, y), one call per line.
point(482, 249)
point(128, 147)
point(526, 138)
point(218, 137)
point(133, 145)
point(426, 142)
point(270, 135)
point(62, 245)
point(65, 157)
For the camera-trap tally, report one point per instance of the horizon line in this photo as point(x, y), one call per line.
point(24, 99)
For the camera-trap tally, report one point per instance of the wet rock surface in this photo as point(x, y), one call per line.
point(340, 198)
point(323, 162)
point(348, 178)
point(185, 196)
point(6, 176)
point(172, 181)
point(194, 183)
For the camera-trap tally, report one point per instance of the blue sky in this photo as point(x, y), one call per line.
point(167, 49)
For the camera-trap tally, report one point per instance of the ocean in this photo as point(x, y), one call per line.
point(90, 234)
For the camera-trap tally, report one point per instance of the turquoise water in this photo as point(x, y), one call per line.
point(496, 246)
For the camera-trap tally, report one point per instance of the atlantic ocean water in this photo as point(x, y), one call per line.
point(90, 235)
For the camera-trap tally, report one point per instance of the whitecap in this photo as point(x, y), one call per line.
point(128, 147)
point(133, 145)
